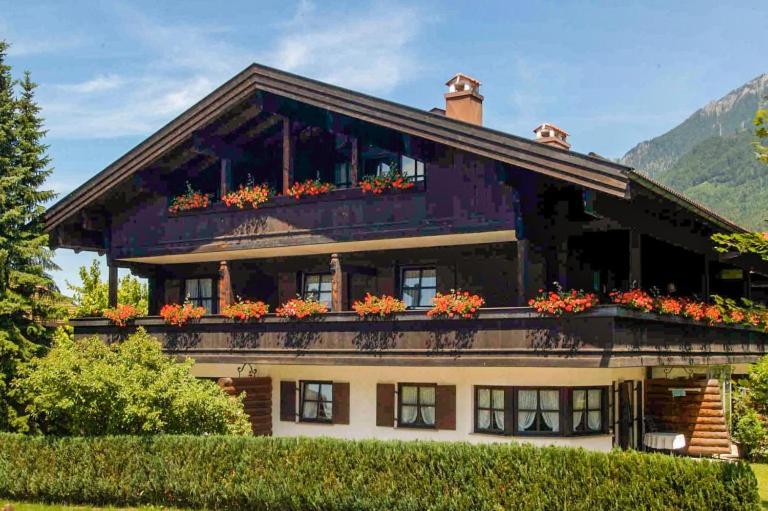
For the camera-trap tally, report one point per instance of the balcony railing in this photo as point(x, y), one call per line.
point(607, 336)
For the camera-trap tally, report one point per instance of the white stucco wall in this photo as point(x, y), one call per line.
point(363, 380)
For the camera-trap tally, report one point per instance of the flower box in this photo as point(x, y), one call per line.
point(189, 201)
point(179, 315)
point(251, 196)
point(298, 308)
point(309, 188)
point(245, 310)
point(378, 306)
point(456, 304)
point(557, 303)
point(121, 314)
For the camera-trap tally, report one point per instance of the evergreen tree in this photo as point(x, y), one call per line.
point(28, 297)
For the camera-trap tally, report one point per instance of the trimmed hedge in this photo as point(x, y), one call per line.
point(219, 472)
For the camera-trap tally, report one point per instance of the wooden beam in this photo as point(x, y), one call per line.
point(522, 272)
point(226, 176)
point(635, 259)
point(337, 284)
point(287, 156)
point(353, 163)
point(112, 294)
point(225, 286)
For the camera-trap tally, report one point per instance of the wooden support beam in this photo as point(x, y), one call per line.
point(705, 280)
point(152, 308)
point(112, 294)
point(337, 284)
point(225, 286)
point(522, 272)
point(225, 184)
point(635, 259)
point(354, 162)
point(287, 156)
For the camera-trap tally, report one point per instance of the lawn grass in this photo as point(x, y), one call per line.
point(761, 472)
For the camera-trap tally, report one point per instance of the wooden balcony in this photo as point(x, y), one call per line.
point(607, 336)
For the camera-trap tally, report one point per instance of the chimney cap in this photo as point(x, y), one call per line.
point(549, 125)
point(461, 77)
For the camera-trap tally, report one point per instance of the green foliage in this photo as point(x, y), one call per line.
point(262, 473)
point(750, 431)
point(86, 387)
point(750, 243)
point(28, 297)
point(761, 132)
point(91, 297)
point(751, 411)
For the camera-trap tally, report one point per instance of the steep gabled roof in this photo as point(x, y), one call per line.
point(594, 173)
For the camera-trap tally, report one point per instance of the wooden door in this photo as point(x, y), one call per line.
point(257, 401)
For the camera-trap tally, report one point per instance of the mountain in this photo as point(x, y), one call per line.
point(709, 157)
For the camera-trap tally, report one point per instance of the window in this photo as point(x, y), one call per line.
point(412, 169)
point(538, 411)
point(587, 406)
point(199, 292)
point(316, 401)
point(318, 286)
point(489, 410)
point(419, 286)
point(417, 405)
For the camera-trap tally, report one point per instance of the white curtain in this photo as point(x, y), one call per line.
point(310, 410)
point(206, 288)
point(409, 410)
point(328, 409)
point(483, 401)
point(550, 406)
point(595, 418)
point(498, 404)
point(579, 403)
point(526, 401)
point(428, 399)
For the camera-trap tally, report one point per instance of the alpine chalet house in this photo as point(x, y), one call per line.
point(276, 187)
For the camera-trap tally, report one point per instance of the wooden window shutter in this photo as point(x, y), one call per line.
point(288, 401)
point(509, 410)
point(445, 407)
point(340, 402)
point(385, 405)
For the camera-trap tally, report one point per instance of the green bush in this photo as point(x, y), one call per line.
point(219, 472)
point(86, 387)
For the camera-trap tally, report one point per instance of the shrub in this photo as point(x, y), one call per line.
point(298, 308)
point(245, 310)
point(750, 432)
point(381, 306)
point(264, 473)
point(121, 314)
point(179, 315)
point(86, 387)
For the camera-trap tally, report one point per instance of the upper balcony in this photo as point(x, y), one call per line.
point(606, 336)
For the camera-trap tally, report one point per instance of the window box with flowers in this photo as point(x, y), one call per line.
point(557, 303)
point(390, 180)
point(299, 308)
point(456, 304)
point(245, 310)
point(122, 314)
point(179, 315)
point(189, 201)
point(248, 196)
point(309, 188)
point(373, 307)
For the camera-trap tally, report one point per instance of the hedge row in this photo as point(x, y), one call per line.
point(220, 472)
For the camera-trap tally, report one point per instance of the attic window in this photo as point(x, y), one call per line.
point(545, 133)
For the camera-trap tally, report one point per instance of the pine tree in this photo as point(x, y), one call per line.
point(28, 297)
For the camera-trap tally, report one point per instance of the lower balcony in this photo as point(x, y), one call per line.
point(606, 336)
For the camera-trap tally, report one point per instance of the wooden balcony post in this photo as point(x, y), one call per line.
point(112, 294)
point(635, 260)
point(337, 284)
point(354, 159)
point(225, 286)
point(522, 272)
point(287, 155)
point(226, 176)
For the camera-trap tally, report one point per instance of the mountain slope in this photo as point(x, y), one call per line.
point(723, 174)
point(728, 115)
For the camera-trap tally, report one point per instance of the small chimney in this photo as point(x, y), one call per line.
point(550, 134)
point(463, 100)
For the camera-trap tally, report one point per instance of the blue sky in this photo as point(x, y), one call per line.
point(611, 73)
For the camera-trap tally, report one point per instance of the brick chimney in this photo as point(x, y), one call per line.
point(463, 100)
point(550, 134)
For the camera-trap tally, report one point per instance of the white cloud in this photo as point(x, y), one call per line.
point(367, 50)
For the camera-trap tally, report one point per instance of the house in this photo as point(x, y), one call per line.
point(484, 211)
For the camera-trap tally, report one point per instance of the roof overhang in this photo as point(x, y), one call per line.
point(587, 171)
